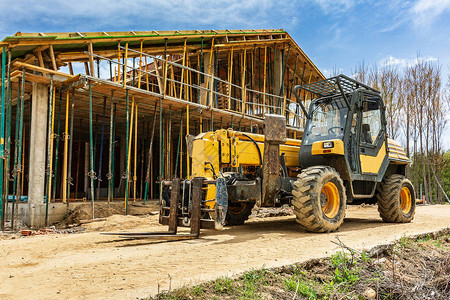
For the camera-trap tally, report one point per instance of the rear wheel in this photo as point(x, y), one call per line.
point(319, 199)
point(396, 199)
point(237, 214)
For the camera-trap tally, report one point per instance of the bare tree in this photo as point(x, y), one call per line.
point(416, 110)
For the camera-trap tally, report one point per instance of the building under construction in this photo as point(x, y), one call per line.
point(104, 116)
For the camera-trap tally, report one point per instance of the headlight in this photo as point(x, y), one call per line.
point(328, 145)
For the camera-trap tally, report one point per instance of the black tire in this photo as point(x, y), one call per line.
point(392, 204)
point(238, 214)
point(309, 195)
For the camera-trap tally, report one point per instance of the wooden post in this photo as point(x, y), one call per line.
point(70, 68)
point(165, 75)
point(146, 73)
point(41, 62)
point(182, 70)
point(91, 60)
point(118, 63)
point(125, 68)
point(140, 66)
point(174, 200)
point(244, 91)
point(230, 77)
point(129, 153)
point(158, 79)
point(264, 81)
point(197, 184)
point(52, 57)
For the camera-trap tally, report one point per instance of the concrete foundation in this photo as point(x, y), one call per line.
point(56, 212)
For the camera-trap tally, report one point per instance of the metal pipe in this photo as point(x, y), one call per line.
point(8, 129)
point(99, 177)
point(50, 147)
point(91, 151)
point(187, 152)
point(20, 146)
point(142, 153)
point(169, 144)
point(2, 143)
point(127, 169)
point(79, 158)
point(69, 172)
point(111, 143)
point(113, 164)
point(150, 156)
point(178, 148)
point(135, 153)
point(57, 136)
point(15, 168)
point(161, 154)
point(66, 149)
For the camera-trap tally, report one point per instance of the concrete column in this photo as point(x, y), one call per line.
point(38, 140)
point(277, 74)
point(206, 63)
point(278, 71)
point(204, 95)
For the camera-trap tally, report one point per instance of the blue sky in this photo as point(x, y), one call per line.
point(335, 34)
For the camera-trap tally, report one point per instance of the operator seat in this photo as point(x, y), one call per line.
point(366, 137)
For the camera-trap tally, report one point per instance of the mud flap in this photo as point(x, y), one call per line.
point(221, 206)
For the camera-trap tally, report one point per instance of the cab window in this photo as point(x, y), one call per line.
point(371, 120)
point(328, 119)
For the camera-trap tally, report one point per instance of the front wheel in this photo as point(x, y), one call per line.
point(319, 199)
point(396, 199)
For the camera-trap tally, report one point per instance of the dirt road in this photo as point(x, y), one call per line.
point(90, 265)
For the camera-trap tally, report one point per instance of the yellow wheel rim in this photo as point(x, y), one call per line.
point(405, 200)
point(330, 200)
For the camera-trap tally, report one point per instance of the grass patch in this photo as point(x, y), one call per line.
point(411, 268)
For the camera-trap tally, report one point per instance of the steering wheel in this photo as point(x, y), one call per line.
point(331, 130)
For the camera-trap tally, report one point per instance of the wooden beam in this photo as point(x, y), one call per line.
point(146, 36)
point(86, 68)
point(44, 71)
point(52, 57)
point(70, 68)
point(41, 62)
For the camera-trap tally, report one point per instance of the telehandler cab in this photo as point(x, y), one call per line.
point(344, 157)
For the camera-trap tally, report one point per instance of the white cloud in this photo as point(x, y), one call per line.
point(326, 72)
point(404, 62)
point(330, 72)
point(425, 11)
point(82, 15)
point(421, 13)
point(334, 6)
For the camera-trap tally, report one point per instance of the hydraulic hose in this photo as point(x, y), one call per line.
point(256, 145)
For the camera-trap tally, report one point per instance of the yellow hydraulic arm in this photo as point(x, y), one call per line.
point(220, 150)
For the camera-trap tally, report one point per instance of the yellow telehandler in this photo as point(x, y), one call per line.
point(344, 157)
